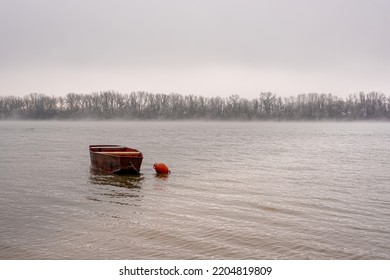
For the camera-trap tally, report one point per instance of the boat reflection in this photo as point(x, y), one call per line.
point(125, 181)
point(112, 188)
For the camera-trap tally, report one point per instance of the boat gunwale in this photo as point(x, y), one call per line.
point(107, 147)
point(120, 154)
point(115, 152)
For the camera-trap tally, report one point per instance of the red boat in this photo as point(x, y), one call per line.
point(115, 159)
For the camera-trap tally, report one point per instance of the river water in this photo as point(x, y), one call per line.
point(238, 190)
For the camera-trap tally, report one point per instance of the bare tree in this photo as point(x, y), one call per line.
point(144, 105)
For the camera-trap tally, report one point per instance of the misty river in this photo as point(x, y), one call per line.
point(238, 190)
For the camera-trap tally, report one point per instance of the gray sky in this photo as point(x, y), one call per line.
point(202, 47)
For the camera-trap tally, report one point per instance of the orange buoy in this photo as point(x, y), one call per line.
point(161, 168)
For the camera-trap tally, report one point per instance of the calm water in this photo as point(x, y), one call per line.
point(236, 191)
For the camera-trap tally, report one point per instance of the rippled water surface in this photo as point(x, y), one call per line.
point(236, 191)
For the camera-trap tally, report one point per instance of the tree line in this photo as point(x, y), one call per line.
point(150, 106)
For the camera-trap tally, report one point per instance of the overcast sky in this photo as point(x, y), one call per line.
point(202, 47)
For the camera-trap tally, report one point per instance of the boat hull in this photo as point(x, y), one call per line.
point(115, 159)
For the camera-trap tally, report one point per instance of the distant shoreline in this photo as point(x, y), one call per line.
point(143, 106)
